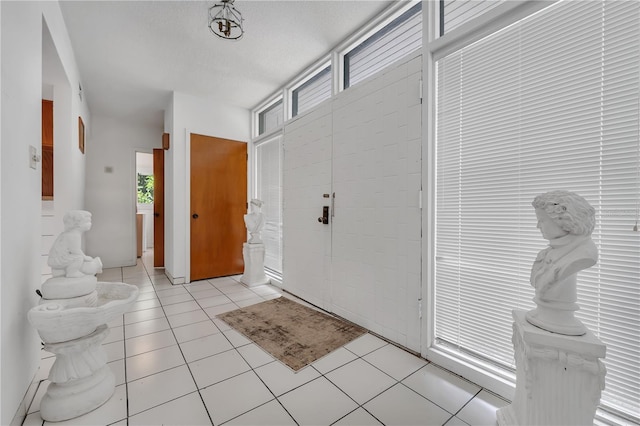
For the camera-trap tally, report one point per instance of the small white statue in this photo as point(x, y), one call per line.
point(66, 258)
point(567, 221)
point(254, 221)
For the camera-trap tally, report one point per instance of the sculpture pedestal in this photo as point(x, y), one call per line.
point(81, 381)
point(253, 255)
point(558, 379)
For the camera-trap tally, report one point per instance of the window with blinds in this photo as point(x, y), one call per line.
point(312, 92)
point(454, 13)
point(400, 37)
point(268, 167)
point(271, 118)
point(551, 102)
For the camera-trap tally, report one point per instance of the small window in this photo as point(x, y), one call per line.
point(271, 118)
point(454, 13)
point(399, 38)
point(312, 92)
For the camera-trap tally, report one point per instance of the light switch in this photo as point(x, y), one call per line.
point(33, 156)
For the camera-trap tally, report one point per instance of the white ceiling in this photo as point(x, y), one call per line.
point(132, 54)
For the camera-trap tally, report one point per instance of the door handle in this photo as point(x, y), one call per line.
point(195, 215)
point(324, 219)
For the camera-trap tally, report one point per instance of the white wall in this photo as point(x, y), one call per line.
point(20, 195)
point(111, 195)
point(194, 115)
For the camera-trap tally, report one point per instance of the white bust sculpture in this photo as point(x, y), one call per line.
point(254, 221)
point(567, 221)
point(66, 258)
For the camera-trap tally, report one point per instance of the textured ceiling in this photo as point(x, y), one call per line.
point(132, 54)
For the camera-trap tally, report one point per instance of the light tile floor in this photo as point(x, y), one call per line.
point(177, 364)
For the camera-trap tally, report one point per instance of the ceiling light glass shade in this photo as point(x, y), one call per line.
point(225, 21)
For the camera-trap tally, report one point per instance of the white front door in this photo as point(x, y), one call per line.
point(306, 179)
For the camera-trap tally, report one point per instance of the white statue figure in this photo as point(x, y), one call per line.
point(254, 221)
point(567, 221)
point(66, 257)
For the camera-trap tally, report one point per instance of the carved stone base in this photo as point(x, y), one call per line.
point(253, 265)
point(559, 378)
point(81, 381)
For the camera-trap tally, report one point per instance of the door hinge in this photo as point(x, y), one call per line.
point(420, 90)
point(419, 308)
point(420, 199)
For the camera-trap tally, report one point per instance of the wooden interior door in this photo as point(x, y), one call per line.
point(218, 206)
point(158, 208)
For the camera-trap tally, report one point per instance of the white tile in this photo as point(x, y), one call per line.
point(117, 368)
point(35, 404)
point(335, 359)
point(365, 344)
point(220, 309)
point(360, 380)
point(359, 417)
point(442, 387)
point(216, 368)
point(236, 338)
point(402, 406)
point(144, 304)
point(318, 402)
point(153, 362)
point(147, 295)
point(180, 308)
point(149, 342)
point(159, 388)
point(223, 326)
point(144, 315)
point(266, 290)
point(205, 346)
point(395, 362)
point(280, 378)
point(236, 396)
point(211, 291)
point(255, 355)
point(482, 409)
point(195, 331)
point(45, 366)
point(187, 318)
point(198, 286)
point(186, 410)
point(114, 350)
point(115, 334)
point(174, 291)
point(250, 301)
point(145, 327)
point(33, 419)
point(209, 302)
point(270, 413)
point(242, 295)
point(115, 409)
point(179, 298)
point(455, 421)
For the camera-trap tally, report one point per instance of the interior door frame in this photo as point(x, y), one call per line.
point(187, 197)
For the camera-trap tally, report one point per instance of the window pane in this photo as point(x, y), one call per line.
point(399, 38)
point(311, 93)
point(454, 13)
point(551, 102)
point(269, 190)
point(271, 118)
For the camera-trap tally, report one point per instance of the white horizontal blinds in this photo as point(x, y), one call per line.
point(548, 103)
point(397, 39)
point(456, 12)
point(271, 118)
point(618, 322)
point(269, 190)
point(312, 92)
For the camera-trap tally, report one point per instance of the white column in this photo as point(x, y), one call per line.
point(253, 265)
point(559, 378)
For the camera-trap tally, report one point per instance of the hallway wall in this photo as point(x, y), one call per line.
point(191, 114)
point(20, 194)
point(111, 186)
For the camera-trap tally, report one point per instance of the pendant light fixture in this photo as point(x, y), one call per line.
point(225, 21)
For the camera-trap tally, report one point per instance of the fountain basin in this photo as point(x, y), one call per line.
point(60, 321)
